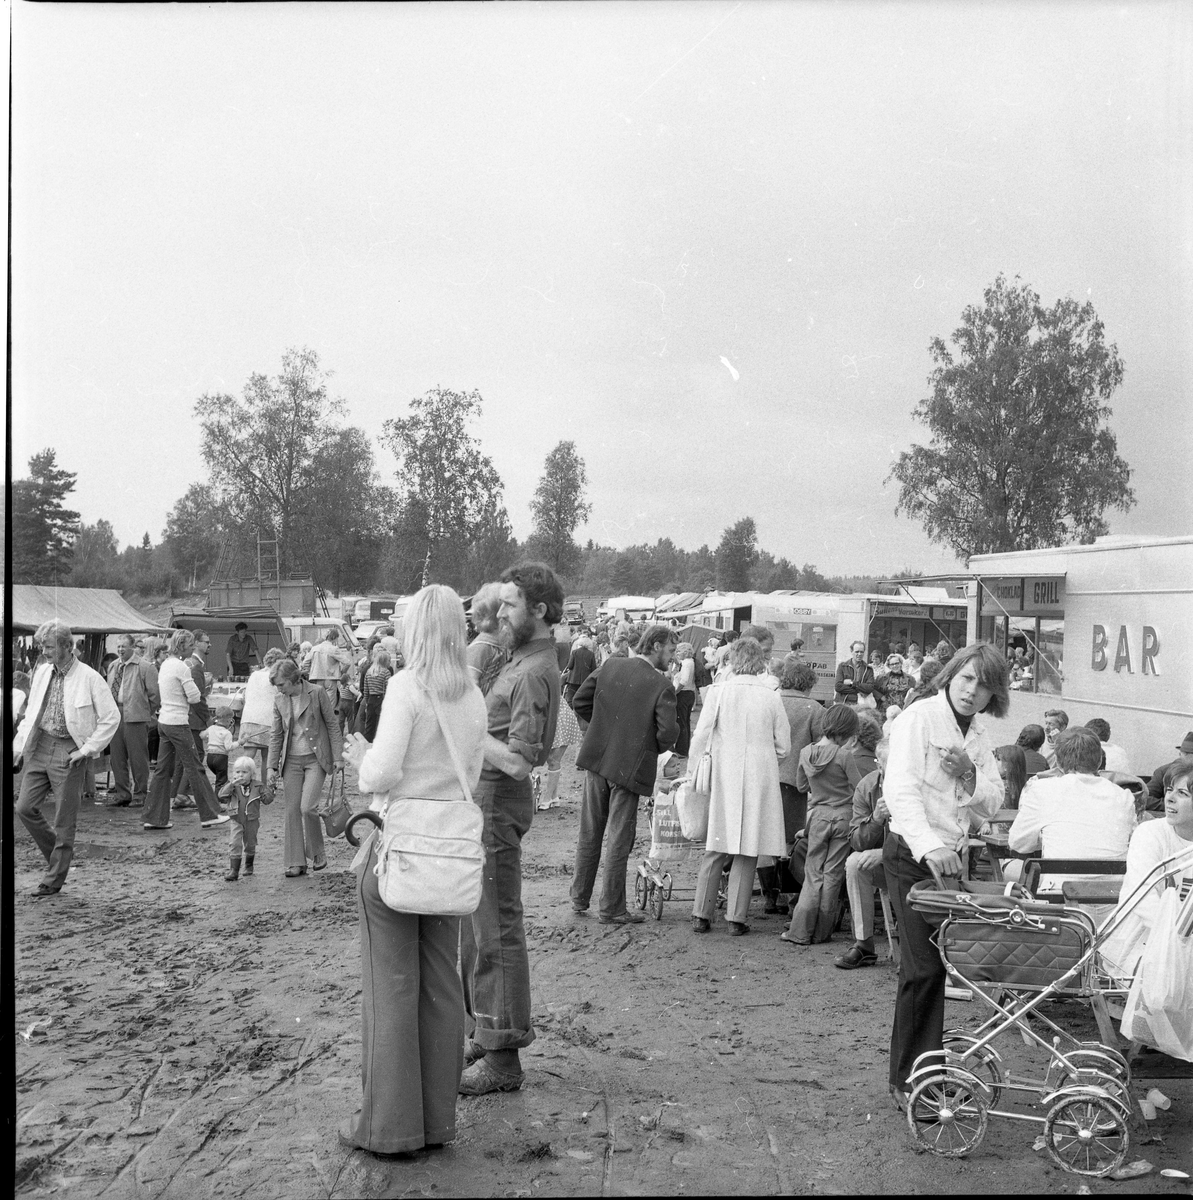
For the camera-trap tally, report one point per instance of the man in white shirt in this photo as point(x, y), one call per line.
point(1075, 815)
point(71, 716)
point(1116, 756)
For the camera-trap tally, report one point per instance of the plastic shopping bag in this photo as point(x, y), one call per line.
point(667, 841)
point(691, 807)
point(1159, 1008)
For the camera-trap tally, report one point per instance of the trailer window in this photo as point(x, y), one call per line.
point(1050, 638)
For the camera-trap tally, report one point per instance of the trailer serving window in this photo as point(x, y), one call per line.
point(1026, 613)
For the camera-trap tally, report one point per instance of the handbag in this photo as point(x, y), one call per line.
point(430, 860)
point(702, 778)
point(334, 810)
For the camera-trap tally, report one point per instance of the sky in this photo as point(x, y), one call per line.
point(708, 242)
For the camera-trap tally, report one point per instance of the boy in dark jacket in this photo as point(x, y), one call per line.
point(244, 796)
point(863, 868)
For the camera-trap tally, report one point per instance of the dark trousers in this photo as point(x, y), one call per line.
point(372, 707)
point(683, 716)
point(129, 750)
point(919, 1002)
point(795, 811)
point(412, 1043)
point(493, 959)
point(177, 787)
point(218, 764)
point(177, 747)
point(605, 805)
point(49, 774)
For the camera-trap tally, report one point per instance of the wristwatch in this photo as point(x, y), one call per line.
point(970, 775)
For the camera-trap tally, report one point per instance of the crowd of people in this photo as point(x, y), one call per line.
point(820, 806)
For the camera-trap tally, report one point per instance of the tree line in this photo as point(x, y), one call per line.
point(1019, 456)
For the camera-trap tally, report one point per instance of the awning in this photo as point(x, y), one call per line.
point(85, 610)
point(259, 620)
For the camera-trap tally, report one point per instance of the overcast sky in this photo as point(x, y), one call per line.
point(709, 242)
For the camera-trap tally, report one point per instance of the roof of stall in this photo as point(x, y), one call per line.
point(85, 610)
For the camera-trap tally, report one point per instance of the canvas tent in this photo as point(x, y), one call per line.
point(92, 612)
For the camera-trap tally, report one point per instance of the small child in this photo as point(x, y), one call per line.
point(245, 795)
point(217, 741)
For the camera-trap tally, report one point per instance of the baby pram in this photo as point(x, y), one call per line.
point(1014, 953)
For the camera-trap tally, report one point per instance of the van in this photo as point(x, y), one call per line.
point(379, 608)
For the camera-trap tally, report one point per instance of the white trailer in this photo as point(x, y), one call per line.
point(1111, 628)
point(829, 622)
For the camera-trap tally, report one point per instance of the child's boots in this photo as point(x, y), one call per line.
point(248, 864)
point(234, 874)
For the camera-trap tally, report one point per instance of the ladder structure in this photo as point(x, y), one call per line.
point(267, 559)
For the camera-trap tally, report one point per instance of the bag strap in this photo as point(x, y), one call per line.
point(451, 745)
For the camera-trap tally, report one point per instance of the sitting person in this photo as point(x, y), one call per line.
point(1056, 721)
point(1155, 786)
point(1030, 739)
point(1151, 844)
point(1116, 756)
point(1012, 767)
point(863, 868)
point(1077, 814)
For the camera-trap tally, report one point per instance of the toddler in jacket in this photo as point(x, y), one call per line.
point(244, 795)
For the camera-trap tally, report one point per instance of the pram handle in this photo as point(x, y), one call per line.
point(942, 881)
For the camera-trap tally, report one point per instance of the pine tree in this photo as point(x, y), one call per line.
point(43, 529)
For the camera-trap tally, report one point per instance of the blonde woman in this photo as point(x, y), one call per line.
point(412, 1000)
point(685, 694)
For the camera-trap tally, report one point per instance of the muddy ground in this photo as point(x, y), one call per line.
point(179, 1036)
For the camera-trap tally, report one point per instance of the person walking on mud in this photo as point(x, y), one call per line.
point(69, 718)
point(304, 748)
point(523, 707)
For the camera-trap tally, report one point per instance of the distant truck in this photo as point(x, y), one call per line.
point(379, 608)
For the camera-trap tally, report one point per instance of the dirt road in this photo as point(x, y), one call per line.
point(179, 1036)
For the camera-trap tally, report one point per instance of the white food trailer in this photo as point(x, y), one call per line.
point(828, 622)
point(1111, 627)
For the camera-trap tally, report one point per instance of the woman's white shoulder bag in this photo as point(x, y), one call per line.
point(430, 860)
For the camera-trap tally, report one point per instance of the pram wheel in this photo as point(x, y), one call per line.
point(946, 1113)
point(657, 899)
point(361, 818)
point(1095, 1058)
point(1086, 1134)
point(1093, 1068)
point(985, 1064)
point(641, 892)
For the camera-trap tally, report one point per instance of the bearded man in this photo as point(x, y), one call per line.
point(523, 705)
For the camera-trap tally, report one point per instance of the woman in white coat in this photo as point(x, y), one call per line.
point(744, 724)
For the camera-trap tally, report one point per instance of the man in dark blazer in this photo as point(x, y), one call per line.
point(630, 706)
point(134, 688)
